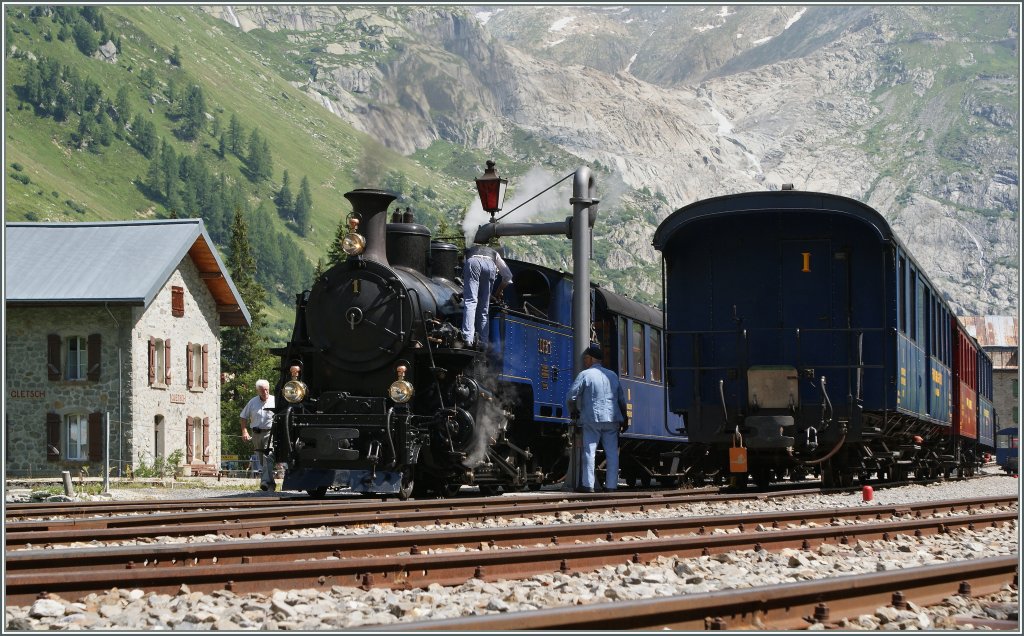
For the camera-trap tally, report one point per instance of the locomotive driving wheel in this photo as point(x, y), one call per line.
point(408, 484)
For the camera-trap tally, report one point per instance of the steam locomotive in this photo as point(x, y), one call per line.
point(376, 395)
point(803, 337)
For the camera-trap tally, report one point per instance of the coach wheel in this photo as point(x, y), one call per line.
point(450, 490)
point(489, 490)
point(317, 493)
point(738, 481)
point(534, 486)
point(644, 480)
point(669, 482)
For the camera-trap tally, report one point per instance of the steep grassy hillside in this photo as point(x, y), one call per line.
point(52, 175)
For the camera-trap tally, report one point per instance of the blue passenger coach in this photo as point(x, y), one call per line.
point(801, 329)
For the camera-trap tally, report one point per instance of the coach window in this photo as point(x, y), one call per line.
point(623, 347)
point(912, 300)
point(655, 345)
point(902, 286)
point(639, 361)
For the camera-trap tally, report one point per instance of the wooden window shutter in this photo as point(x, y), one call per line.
point(95, 349)
point(188, 440)
point(52, 437)
point(206, 440)
point(152, 360)
point(53, 357)
point(206, 366)
point(96, 437)
point(167, 361)
point(189, 371)
point(177, 301)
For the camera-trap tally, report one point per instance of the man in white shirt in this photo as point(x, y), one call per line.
point(259, 416)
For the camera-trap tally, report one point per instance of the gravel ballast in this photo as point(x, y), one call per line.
point(349, 607)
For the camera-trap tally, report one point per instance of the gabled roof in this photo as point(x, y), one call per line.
point(121, 262)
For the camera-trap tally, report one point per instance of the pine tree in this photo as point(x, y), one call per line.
point(122, 105)
point(284, 199)
point(193, 113)
point(303, 207)
point(170, 167)
point(235, 134)
point(244, 358)
point(335, 254)
point(222, 148)
point(243, 347)
point(254, 159)
point(154, 177)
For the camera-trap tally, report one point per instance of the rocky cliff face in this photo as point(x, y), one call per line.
point(910, 109)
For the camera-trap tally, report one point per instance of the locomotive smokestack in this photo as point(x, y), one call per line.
point(371, 207)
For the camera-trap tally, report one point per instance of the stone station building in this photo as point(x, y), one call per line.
point(114, 326)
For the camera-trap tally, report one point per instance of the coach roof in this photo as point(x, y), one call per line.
point(770, 201)
point(120, 262)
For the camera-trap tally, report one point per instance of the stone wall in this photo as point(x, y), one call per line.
point(175, 402)
point(30, 395)
point(124, 392)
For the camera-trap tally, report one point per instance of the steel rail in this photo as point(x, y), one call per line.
point(776, 607)
point(45, 510)
point(282, 518)
point(244, 523)
point(453, 568)
point(225, 552)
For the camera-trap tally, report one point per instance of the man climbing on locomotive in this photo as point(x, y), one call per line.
point(483, 264)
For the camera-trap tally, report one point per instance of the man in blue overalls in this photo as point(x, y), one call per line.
point(600, 402)
point(482, 266)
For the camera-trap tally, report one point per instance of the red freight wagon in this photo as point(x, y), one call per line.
point(965, 383)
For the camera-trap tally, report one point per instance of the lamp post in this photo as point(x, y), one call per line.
point(491, 189)
point(577, 227)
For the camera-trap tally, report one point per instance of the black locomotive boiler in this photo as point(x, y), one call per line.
point(374, 394)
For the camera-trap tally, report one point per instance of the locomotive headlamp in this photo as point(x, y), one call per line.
point(491, 188)
point(354, 243)
point(295, 390)
point(401, 390)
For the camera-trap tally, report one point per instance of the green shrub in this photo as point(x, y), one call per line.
point(21, 177)
point(17, 166)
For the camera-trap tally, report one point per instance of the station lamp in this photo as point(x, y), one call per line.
point(491, 188)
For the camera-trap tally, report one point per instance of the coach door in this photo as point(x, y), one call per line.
point(806, 302)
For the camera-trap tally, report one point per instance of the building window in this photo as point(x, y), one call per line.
point(197, 366)
point(76, 428)
point(1016, 387)
point(77, 358)
point(177, 301)
point(638, 351)
point(1016, 415)
point(159, 362)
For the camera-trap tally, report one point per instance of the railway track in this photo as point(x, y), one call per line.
point(776, 607)
point(416, 559)
point(278, 516)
